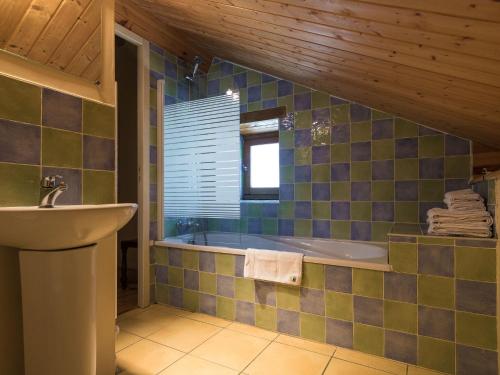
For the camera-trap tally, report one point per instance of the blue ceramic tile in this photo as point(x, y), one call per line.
point(431, 168)
point(455, 184)
point(207, 261)
point(153, 120)
point(270, 103)
point(265, 293)
point(239, 266)
point(162, 274)
point(73, 179)
point(368, 311)
point(406, 148)
point(339, 332)
point(254, 94)
point(153, 152)
point(340, 133)
point(456, 146)
point(191, 279)
point(422, 130)
point(360, 113)
point(400, 346)
point(436, 323)
point(289, 322)
point(285, 88)
point(153, 231)
point(312, 301)
point(182, 92)
point(382, 211)
point(472, 360)
point(175, 296)
point(340, 172)
point(338, 278)
point(400, 287)
point(302, 101)
point(382, 129)
point(361, 191)
point(225, 286)
point(170, 69)
point(383, 170)
point(286, 157)
point(337, 101)
point(245, 312)
point(321, 116)
point(361, 151)
point(243, 108)
point(286, 192)
point(303, 173)
point(175, 257)
point(213, 87)
point(172, 100)
point(361, 230)
point(341, 210)
point(207, 304)
point(321, 192)
point(476, 297)
point(406, 190)
point(270, 210)
point(19, 143)
point(321, 154)
point(98, 153)
point(321, 228)
point(240, 80)
point(254, 225)
point(285, 227)
point(61, 111)
point(302, 210)
point(226, 68)
point(267, 78)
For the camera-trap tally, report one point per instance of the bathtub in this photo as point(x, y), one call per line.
point(369, 255)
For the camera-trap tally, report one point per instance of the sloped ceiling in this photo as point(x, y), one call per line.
point(435, 62)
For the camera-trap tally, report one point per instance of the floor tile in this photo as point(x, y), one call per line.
point(307, 345)
point(146, 357)
point(340, 367)
point(130, 314)
point(414, 370)
point(231, 349)
point(253, 331)
point(193, 365)
point(183, 334)
point(209, 319)
point(283, 359)
point(139, 327)
point(373, 361)
point(169, 309)
point(125, 339)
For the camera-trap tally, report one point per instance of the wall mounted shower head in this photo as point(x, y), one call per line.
point(196, 64)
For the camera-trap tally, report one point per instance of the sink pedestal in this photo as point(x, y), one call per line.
point(59, 311)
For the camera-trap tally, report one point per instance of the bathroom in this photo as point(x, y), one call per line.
point(301, 220)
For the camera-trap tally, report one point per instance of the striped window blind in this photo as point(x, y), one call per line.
point(202, 158)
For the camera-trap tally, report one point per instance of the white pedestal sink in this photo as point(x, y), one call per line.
point(58, 280)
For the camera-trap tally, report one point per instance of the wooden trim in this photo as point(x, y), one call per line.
point(107, 76)
point(160, 84)
point(487, 176)
point(265, 114)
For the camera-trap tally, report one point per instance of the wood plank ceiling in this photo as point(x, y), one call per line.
point(64, 34)
point(435, 62)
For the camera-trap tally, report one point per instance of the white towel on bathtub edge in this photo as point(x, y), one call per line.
point(277, 266)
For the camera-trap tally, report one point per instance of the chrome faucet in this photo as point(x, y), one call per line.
point(51, 187)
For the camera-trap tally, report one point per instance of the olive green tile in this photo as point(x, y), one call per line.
point(312, 327)
point(226, 83)
point(302, 228)
point(406, 169)
point(474, 263)
point(430, 240)
point(341, 230)
point(457, 167)
point(20, 184)
point(400, 316)
point(20, 101)
point(383, 149)
point(431, 190)
point(286, 101)
point(244, 289)
point(383, 191)
point(436, 291)
point(152, 98)
point(61, 148)
point(436, 354)
point(340, 152)
point(175, 276)
point(153, 136)
point(98, 187)
point(170, 87)
point(321, 173)
point(340, 114)
point(339, 305)
point(303, 120)
point(303, 191)
point(286, 140)
point(270, 90)
point(321, 210)
point(380, 230)
point(224, 264)
point(161, 293)
point(476, 330)
point(285, 210)
point(320, 99)
point(313, 275)
point(303, 156)
point(161, 255)
point(253, 78)
point(190, 259)
point(152, 212)
point(368, 339)
point(98, 119)
point(299, 89)
point(340, 191)
point(254, 209)
point(361, 171)
point(208, 283)
point(156, 62)
point(225, 308)
point(243, 95)
point(288, 297)
point(367, 283)
point(152, 172)
point(266, 317)
point(406, 212)
point(404, 128)
point(379, 115)
point(239, 69)
point(361, 131)
point(361, 211)
point(190, 299)
point(431, 146)
point(254, 106)
point(270, 226)
point(287, 174)
point(403, 257)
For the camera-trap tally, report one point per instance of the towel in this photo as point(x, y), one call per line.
point(278, 266)
point(441, 215)
point(462, 200)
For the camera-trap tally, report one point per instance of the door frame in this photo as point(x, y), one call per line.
point(143, 140)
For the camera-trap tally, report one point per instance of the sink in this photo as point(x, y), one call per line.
point(61, 227)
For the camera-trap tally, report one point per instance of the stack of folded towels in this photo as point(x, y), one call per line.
point(466, 215)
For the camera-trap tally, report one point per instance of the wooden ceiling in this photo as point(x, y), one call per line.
point(64, 34)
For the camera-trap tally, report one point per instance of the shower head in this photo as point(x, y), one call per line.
point(196, 64)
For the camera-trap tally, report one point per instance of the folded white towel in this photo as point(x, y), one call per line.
point(464, 194)
point(441, 215)
point(459, 231)
point(465, 206)
point(278, 266)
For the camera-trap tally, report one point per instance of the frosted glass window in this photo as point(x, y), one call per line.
point(265, 171)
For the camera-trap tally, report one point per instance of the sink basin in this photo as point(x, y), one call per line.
point(61, 227)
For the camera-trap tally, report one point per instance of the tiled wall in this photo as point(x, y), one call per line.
point(437, 310)
point(44, 132)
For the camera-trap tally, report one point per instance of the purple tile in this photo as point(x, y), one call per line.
point(361, 191)
point(400, 287)
point(213, 87)
point(239, 265)
point(265, 293)
point(302, 101)
point(321, 116)
point(286, 157)
point(340, 133)
point(73, 179)
point(368, 311)
point(153, 120)
point(422, 130)
point(361, 231)
point(98, 153)
point(406, 190)
point(154, 77)
point(423, 207)
point(153, 154)
point(254, 94)
point(302, 210)
point(436, 323)
point(456, 146)
point(401, 346)
point(269, 103)
point(382, 211)
point(225, 286)
point(436, 260)
point(302, 137)
point(182, 92)
point(286, 192)
point(267, 78)
point(339, 332)
point(285, 88)
point(254, 225)
point(19, 143)
point(240, 80)
point(456, 184)
point(243, 108)
point(61, 111)
point(472, 361)
point(340, 172)
point(406, 148)
point(285, 227)
point(191, 279)
point(321, 228)
point(168, 100)
point(153, 230)
point(175, 257)
point(383, 170)
point(153, 192)
point(207, 261)
point(269, 210)
point(312, 301)
point(321, 154)
point(383, 129)
point(207, 304)
point(226, 68)
point(361, 151)
point(360, 113)
point(175, 296)
point(170, 69)
point(337, 101)
point(338, 278)
point(245, 312)
point(321, 191)
point(431, 168)
point(341, 210)
point(476, 297)
point(288, 322)
point(303, 173)
point(162, 274)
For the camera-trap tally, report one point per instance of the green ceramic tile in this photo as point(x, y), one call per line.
point(321, 210)
point(380, 230)
point(224, 264)
point(303, 120)
point(403, 257)
point(269, 90)
point(476, 330)
point(266, 317)
point(341, 230)
point(436, 354)
point(287, 174)
point(161, 255)
point(321, 173)
point(98, 119)
point(383, 191)
point(340, 152)
point(361, 211)
point(285, 210)
point(312, 327)
point(368, 339)
point(153, 136)
point(253, 78)
point(298, 89)
point(156, 62)
point(361, 131)
point(286, 140)
point(406, 212)
point(270, 226)
point(98, 187)
point(367, 283)
point(303, 228)
point(361, 171)
point(303, 191)
point(406, 169)
point(436, 291)
point(190, 299)
point(20, 185)
point(288, 297)
point(286, 101)
point(161, 293)
point(225, 308)
point(320, 99)
point(340, 114)
point(152, 98)
point(431, 190)
point(320, 135)
point(152, 172)
point(383, 149)
point(404, 128)
point(226, 83)
point(400, 316)
point(20, 101)
point(175, 276)
point(239, 69)
point(61, 148)
point(457, 167)
point(208, 283)
point(254, 209)
point(254, 106)
point(339, 305)
point(431, 146)
point(340, 191)
point(430, 240)
point(313, 275)
point(474, 263)
point(152, 212)
point(243, 95)
point(244, 289)
point(303, 156)
point(171, 87)
point(190, 259)
point(379, 115)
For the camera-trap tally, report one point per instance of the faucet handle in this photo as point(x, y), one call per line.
point(52, 181)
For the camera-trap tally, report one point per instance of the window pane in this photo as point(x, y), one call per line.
point(264, 166)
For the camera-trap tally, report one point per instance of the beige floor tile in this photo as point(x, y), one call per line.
point(125, 339)
point(231, 349)
point(169, 309)
point(373, 361)
point(130, 314)
point(184, 334)
point(196, 366)
point(139, 327)
point(414, 370)
point(209, 319)
point(280, 359)
point(306, 344)
point(340, 367)
point(146, 357)
point(254, 331)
